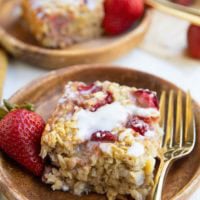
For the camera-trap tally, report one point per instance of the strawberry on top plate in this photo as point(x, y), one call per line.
point(121, 14)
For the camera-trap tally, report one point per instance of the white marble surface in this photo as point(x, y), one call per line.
point(162, 54)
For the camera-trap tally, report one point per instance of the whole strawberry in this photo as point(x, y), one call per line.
point(121, 14)
point(193, 38)
point(20, 135)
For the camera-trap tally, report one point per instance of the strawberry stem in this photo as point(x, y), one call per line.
point(7, 107)
point(10, 107)
point(28, 106)
point(3, 112)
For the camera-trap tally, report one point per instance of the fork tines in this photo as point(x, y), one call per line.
point(177, 120)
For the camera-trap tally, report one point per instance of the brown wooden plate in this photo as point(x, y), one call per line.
point(16, 183)
point(19, 42)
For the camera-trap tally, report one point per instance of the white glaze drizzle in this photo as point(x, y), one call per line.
point(136, 150)
point(107, 118)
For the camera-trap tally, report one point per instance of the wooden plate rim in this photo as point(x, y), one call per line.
point(11, 193)
point(145, 21)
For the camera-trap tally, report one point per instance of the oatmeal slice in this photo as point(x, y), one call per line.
point(60, 23)
point(103, 138)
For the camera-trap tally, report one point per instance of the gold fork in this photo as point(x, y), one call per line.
point(178, 122)
point(190, 14)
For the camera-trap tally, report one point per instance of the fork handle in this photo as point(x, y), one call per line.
point(159, 180)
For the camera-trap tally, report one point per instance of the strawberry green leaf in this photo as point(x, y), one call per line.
point(28, 106)
point(3, 112)
point(8, 105)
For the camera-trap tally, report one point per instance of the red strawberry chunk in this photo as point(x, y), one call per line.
point(84, 87)
point(91, 88)
point(103, 136)
point(138, 125)
point(146, 98)
point(108, 100)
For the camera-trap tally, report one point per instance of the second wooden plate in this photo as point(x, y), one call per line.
point(19, 42)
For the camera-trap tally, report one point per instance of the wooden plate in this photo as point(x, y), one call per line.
point(19, 42)
point(16, 183)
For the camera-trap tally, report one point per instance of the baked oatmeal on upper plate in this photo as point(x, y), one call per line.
point(103, 138)
point(59, 23)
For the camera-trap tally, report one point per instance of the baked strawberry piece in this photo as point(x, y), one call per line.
point(20, 136)
point(146, 98)
point(104, 138)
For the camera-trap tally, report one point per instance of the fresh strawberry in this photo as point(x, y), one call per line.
point(146, 98)
point(103, 136)
point(193, 38)
point(121, 14)
point(20, 135)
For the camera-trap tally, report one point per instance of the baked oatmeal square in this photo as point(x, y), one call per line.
point(103, 137)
